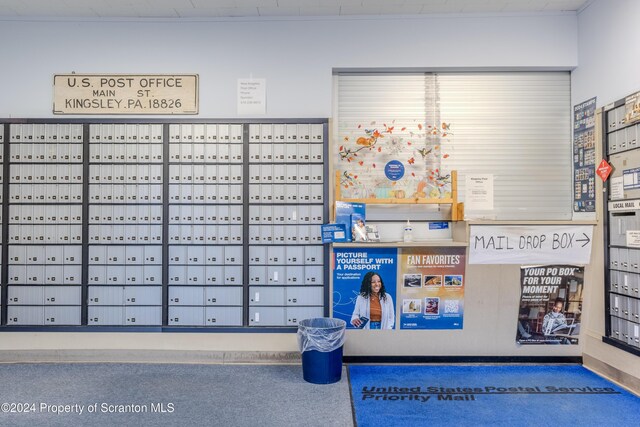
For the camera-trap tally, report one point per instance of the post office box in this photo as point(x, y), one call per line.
point(266, 152)
point(623, 256)
point(316, 152)
point(223, 295)
point(634, 260)
point(295, 275)
point(211, 152)
point(276, 275)
point(233, 275)
point(291, 193)
point(278, 234)
point(177, 275)
point(233, 255)
point(266, 195)
point(143, 316)
point(291, 234)
point(235, 133)
point(223, 316)
point(254, 153)
point(53, 274)
point(304, 234)
point(25, 295)
point(295, 255)
point(195, 275)
point(313, 275)
point(266, 214)
point(156, 153)
point(223, 153)
point(72, 274)
point(254, 215)
point(211, 133)
point(105, 316)
point(62, 295)
point(116, 275)
point(267, 316)
point(614, 277)
point(214, 274)
point(97, 275)
point(211, 234)
point(266, 234)
point(614, 305)
point(178, 255)
point(254, 193)
point(314, 255)
point(235, 193)
point(304, 295)
point(211, 193)
point(196, 255)
point(224, 194)
point(317, 191)
point(266, 174)
point(41, 255)
point(235, 214)
point(21, 315)
point(17, 254)
point(631, 137)
point(257, 255)
point(278, 193)
point(295, 314)
point(142, 295)
point(199, 234)
point(266, 296)
point(254, 133)
point(223, 234)
point(235, 153)
point(152, 274)
point(279, 153)
point(106, 295)
point(317, 214)
point(280, 214)
point(303, 194)
point(267, 131)
point(257, 275)
point(255, 234)
point(186, 316)
point(317, 174)
point(131, 153)
point(134, 274)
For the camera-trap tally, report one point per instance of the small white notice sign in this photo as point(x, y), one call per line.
point(617, 188)
point(633, 238)
point(252, 96)
point(478, 193)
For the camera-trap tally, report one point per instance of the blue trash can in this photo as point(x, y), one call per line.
point(321, 340)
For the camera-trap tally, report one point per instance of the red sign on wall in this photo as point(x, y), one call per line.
point(604, 169)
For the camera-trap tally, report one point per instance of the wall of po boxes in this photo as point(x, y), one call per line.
point(162, 225)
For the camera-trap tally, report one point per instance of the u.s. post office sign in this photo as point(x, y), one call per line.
point(125, 94)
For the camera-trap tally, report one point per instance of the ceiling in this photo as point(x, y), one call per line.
point(204, 9)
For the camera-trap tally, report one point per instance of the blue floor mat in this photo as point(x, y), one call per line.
point(488, 395)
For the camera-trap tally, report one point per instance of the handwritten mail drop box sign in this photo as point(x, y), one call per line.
point(125, 94)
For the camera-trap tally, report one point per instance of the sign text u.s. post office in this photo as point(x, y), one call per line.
point(125, 94)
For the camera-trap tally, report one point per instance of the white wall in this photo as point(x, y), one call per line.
point(609, 66)
point(295, 56)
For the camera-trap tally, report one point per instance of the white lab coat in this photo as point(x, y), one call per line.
point(388, 312)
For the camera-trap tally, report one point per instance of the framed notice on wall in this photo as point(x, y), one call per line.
point(125, 94)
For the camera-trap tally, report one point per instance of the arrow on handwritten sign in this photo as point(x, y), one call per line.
point(586, 240)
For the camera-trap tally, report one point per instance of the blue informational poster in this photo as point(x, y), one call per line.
point(351, 302)
point(584, 156)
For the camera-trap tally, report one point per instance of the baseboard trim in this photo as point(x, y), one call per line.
point(613, 374)
point(149, 356)
point(463, 359)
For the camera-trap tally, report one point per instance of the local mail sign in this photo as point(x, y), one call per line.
point(555, 244)
point(125, 94)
